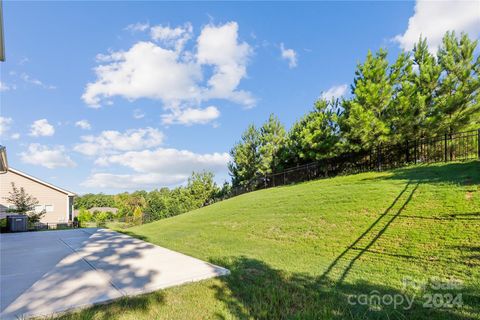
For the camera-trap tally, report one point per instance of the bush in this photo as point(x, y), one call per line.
point(101, 217)
point(3, 225)
point(35, 217)
point(137, 216)
point(110, 215)
point(84, 215)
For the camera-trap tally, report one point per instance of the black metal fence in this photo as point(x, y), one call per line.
point(38, 226)
point(449, 147)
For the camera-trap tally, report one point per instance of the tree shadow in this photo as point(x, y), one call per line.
point(80, 268)
point(254, 290)
point(371, 235)
point(471, 252)
point(112, 309)
point(133, 234)
point(461, 173)
point(448, 216)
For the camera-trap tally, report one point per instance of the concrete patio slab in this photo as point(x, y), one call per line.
point(44, 273)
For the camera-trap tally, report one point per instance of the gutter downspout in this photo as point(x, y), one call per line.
point(3, 160)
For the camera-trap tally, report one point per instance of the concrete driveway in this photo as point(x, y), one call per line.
point(43, 273)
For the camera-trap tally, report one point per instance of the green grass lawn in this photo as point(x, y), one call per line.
point(307, 251)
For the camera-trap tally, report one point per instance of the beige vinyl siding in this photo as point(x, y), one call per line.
point(46, 196)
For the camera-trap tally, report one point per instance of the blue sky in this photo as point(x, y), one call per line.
point(118, 96)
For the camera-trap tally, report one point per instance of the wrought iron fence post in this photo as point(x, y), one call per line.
point(379, 158)
point(415, 151)
point(452, 150)
point(478, 143)
point(407, 155)
point(370, 160)
point(446, 148)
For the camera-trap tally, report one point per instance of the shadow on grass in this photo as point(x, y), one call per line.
point(255, 290)
point(461, 173)
point(452, 216)
point(132, 234)
point(113, 310)
point(370, 235)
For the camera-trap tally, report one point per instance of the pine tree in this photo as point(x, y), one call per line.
point(272, 139)
point(457, 105)
point(404, 117)
point(366, 113)
point(426, 76)
point(315, 136)
point(245, 157)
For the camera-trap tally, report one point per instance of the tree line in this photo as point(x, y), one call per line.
point(419, 95)
point(200, 190)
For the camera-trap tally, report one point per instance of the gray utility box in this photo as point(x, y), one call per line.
point(17, 223)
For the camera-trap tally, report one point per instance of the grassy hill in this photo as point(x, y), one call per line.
point(312, 250)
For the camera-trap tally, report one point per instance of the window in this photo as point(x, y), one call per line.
point(38, 208)
point(49, 208)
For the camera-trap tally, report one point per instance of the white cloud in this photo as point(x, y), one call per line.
point(23, 61)
point(172, 37)
point(175, 76)
point(41, 128)
point(335, 92)
point(83, 124)
point(145, 71)
point(138, 114)
point(49, 157)
point(218, 46)
point(192, 116)
point(155, 168)
point(290, 55)
point(109, 142)
point(131, 181)
point(6, 87)
point(139, 26)
point(5, 124)
point(28, 79)
point(433, 18)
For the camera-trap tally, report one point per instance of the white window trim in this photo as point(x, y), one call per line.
point(42, 207)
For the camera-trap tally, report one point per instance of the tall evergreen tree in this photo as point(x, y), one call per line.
point(406, 115)
point(366, 113)
point(272, 139)
point(457, 105)
point(245, 157)
point(315, 136)
point(427, 72)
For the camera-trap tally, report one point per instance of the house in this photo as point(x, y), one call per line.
point(57, 202)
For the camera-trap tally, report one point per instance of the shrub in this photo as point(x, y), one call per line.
point(101, 217)
point(84, 215)
point(137, 216)
point(3, 225)
point(110, 215)
point(24, 204)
